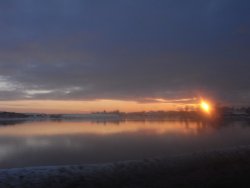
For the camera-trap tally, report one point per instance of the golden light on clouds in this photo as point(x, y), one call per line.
point(70, 106)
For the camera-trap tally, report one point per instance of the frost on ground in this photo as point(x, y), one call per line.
point(223, 168)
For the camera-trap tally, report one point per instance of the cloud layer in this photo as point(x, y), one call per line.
point(126, 50)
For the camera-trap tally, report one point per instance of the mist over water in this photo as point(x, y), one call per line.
point(80, 142)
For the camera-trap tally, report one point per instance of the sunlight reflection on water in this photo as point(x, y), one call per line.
point(77, 142)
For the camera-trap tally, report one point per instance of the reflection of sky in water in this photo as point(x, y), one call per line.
point(61, 128)
point(53, 143)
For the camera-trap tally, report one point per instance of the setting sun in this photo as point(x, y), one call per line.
point(205, 106)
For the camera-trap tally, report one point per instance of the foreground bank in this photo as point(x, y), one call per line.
point(224, 168)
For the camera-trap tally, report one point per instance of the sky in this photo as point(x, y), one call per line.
point(90, 55)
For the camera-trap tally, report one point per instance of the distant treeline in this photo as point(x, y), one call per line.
point(219, 112)
point(155, 114)
point(13, 115)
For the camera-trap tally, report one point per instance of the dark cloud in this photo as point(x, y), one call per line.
point(127, 50)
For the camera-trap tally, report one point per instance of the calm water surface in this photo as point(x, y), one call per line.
point(66, 142)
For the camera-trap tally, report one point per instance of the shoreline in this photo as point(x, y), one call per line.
point(229, 167)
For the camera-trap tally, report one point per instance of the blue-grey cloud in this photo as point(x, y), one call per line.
point(127, 50)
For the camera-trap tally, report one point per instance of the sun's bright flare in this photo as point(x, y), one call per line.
point(205, 106)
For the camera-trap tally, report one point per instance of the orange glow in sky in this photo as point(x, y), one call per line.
point(56, 106)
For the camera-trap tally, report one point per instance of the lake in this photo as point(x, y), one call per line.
point(38, 143)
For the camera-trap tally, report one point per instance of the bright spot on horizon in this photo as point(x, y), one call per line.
point(205, 106)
